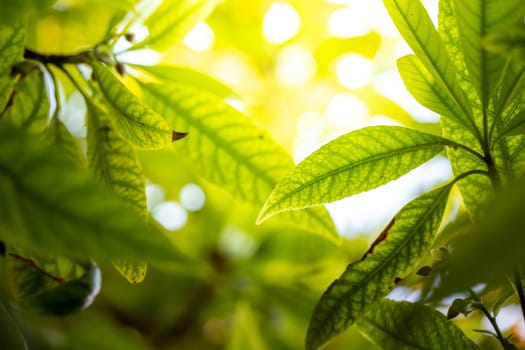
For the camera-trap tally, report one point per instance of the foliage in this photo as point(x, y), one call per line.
point(72, 195)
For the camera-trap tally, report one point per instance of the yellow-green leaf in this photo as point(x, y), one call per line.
point(136, 122)
point(394, 325)
point(392, 257)
point(355, 162)
point(12, 39)
point(425, 89)
point(228, 149)
point(113, 160)
point(508, 42)
point(172, 20)
point(417, 29)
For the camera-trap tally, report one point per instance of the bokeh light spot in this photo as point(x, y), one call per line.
point(170, 215)
point(192, 197)
point(281, 23)
point(295, 66)
point(201, 38)
point(354, 71)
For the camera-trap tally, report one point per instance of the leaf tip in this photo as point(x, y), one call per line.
point(175, 135)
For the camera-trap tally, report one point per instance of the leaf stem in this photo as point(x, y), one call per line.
point(467, 149)
point(499, 335)
point(59, 60)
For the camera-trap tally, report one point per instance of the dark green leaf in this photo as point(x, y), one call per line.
point(48, 203)
point(35, 289)
point(356, 162)
point(136, 122)
point(516, 126)
point(172, 20)
point(391, 258)
point(11, 337)
point(12, 40)
point(403, 326)
point(228, 149)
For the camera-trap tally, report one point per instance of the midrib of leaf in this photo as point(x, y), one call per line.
point(395, 252)
point(438, 76)
point(371, 159)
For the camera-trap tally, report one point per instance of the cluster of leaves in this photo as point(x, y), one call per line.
point(479, 95)
point(68, 201)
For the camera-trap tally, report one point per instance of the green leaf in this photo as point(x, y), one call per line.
point(11, 337)
point(189, 77)
point(355, 162)
point(507, 42)
point(516, 126)
point(12, 40)
point(425, 89)
point(36, 289)
point(114, 161)
point(417, 29)
point(29, 108)
point(58, 135)
point(402, 326)
point(49, 204)
point(392, 257)
point(172, 20)
point(476, 19)
point(228, 149)
point(136, 122)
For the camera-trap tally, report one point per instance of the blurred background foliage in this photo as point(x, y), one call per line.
point(306, 71)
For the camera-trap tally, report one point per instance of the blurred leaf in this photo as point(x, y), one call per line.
point(63, 214)
point(12, 39)
point(136, 122)
point(35, 289)
point(355, 162)
point(417, 29)
point(29, 108)
point(492, 250)
point(425, 89)
point(478, 18)
point(13, 11)
point(392, 257)
point(58, 135)
point(172, 20)
point(401, 325)
point(228, 149)
point(114, 161)
point(245, 333)
point(460, 306)
point(189, 77)
point(11, 337)
point(507, 42)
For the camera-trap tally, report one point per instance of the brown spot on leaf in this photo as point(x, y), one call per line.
point(397, 280)
point(382, 236)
